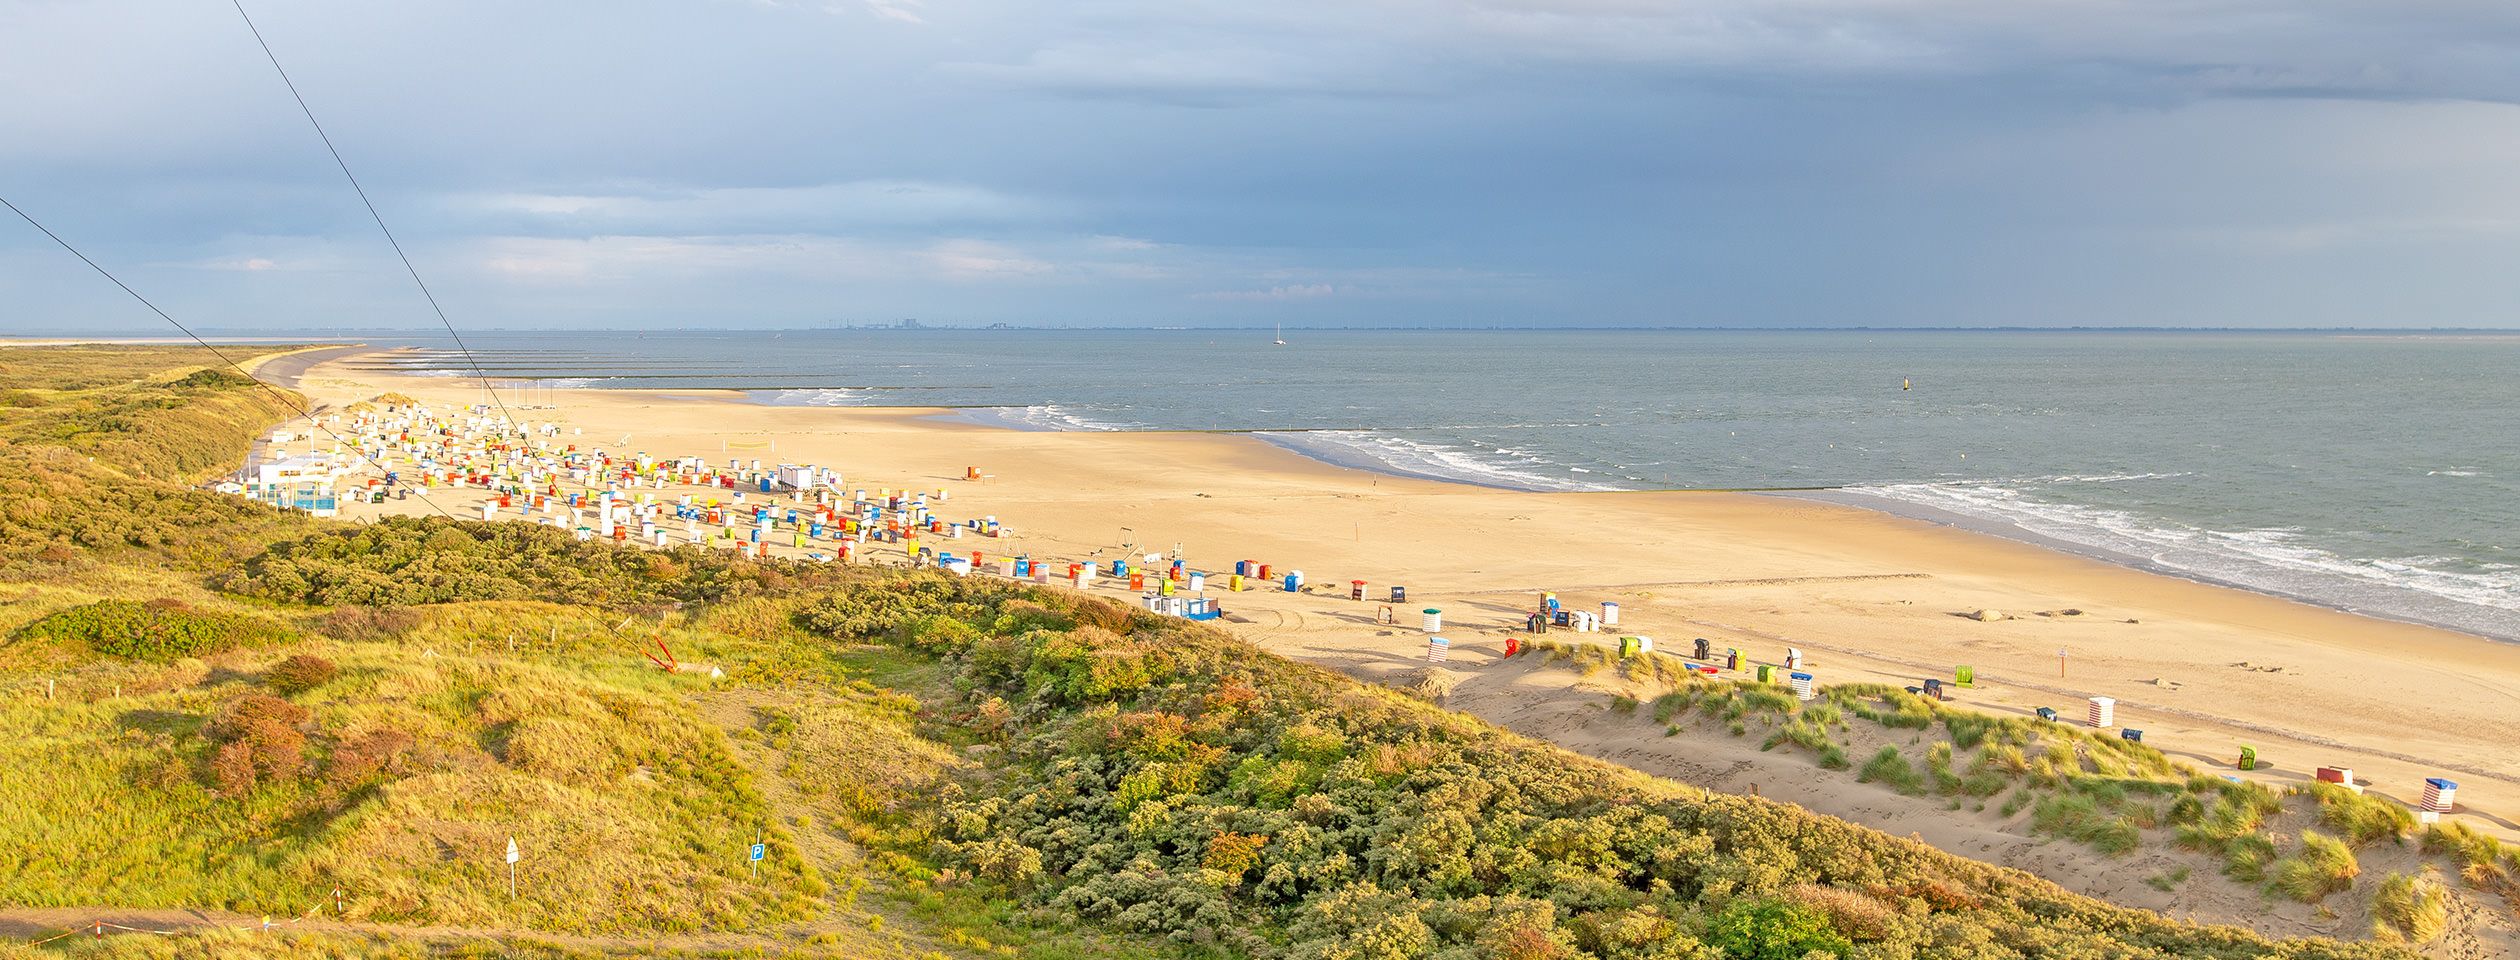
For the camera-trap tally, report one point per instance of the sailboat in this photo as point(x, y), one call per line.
point(1281, 334)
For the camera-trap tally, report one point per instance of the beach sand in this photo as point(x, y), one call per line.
point(1867, 596)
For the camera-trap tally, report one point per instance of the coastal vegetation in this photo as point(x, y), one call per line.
point(416, 560)
point(254, 715)
point(99, 446)
point(2117, 796)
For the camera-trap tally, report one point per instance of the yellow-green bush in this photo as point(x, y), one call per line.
point(2416, 909)
point(2321, 866)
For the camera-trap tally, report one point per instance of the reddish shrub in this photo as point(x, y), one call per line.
point(259, 743)
point(298, 674)
point(376, 752)
point(1098, 612)
point(370, 624)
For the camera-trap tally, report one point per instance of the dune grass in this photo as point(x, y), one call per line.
point(2109, 793)
point(2411, 908)
point(2322, 865)
point(2358, 817)
point(1890, 767)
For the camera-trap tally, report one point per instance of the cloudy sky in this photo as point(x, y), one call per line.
point(757, 163)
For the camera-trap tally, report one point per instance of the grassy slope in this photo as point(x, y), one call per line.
point(942, 767)
point(522, 718)
point(2062, 780)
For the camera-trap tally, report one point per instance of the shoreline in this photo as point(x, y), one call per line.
point(1990, 527)
point(1007, 417)
point(1869, 595)
point(1845, 496)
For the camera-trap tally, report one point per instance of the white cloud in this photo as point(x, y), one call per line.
point(982, 260)
point(623, 259)
point(905, 11)
point(1217, 55)
point(628, 261)
point(276, 253)
point(1200, 72)
point(855, 202)
point(1301, 291)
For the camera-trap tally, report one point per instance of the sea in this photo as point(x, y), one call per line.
point(2372, 472)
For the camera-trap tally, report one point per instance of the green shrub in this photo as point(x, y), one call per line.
point(1773, 930)
point(1891, 767)
point(212, 377)
point(1394, 828)
point(160, 631)
point(417, 560)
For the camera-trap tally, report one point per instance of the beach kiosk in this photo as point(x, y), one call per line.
point(303, 482)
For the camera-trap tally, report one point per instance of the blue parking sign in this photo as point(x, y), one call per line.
point(760, 850)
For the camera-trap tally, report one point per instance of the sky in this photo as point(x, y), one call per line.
point(759, 163)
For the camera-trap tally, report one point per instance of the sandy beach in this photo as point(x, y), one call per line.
point(2201, 669)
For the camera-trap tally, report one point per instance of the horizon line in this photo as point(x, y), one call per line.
point(338, 333)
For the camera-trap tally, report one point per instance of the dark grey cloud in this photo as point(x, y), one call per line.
point(663, 162)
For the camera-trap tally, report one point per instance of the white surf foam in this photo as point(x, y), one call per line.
point(815, 397)
point(2271, 560)
point(1046, 416)
point(1377, 451)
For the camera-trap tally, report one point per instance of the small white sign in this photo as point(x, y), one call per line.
point(512, 855)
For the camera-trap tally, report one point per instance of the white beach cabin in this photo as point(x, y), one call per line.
point(302, 482)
